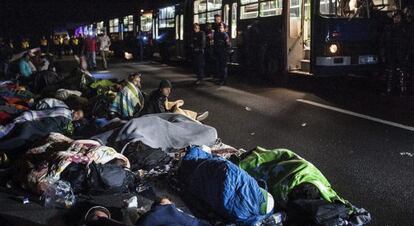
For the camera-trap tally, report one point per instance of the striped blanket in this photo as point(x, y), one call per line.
point(128, 101)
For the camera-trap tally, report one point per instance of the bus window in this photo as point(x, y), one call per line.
point(295, 12)
point(100, 28)
point(349, 8)
point(166, 17)
point(226, 14)
point(234, 20)
point(214, 5)
point(249, 11)
point(200, 6)
point(244, 2)
point(204, 11)
point(271, 8)
point(146, 22)
point(200, 18)
point(385, 5)
point(128, 23)
point(114, 25)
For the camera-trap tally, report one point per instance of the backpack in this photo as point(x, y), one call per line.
point(109, 179)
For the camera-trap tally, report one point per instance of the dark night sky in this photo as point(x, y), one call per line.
point(31, 17)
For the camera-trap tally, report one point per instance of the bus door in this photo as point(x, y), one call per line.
point(179, 34)
point(298, 35)
point(230, 18)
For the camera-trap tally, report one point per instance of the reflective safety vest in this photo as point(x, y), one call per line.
point(75, 41)
point(25, 44)
point(43, 42)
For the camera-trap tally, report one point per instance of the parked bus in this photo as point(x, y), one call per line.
point(272, 37)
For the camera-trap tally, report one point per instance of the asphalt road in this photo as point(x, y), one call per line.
point(368, 162)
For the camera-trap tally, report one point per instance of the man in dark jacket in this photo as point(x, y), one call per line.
point(198, 44)
point(221, 44)
point(157, 102)
point(409, 14)
point(395, 53)
point(6, 53)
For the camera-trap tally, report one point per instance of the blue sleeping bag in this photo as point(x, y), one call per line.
point(228, 190)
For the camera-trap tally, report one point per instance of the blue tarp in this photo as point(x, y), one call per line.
point(228, 190)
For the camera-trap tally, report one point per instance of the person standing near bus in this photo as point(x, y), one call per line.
point(198, 45)
point(221, 45)
point(409, 15)
point(217, 22)
point(395, 54)
point(104, 44)
point(66, 45)
point(90, 49)
point(44, 45)
point(209, 53)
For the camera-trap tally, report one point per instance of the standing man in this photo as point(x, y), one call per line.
point(198, 44)
point(395, 53)
point(209, 53)
point(66, 45)
point(104, 44)
point(221, 44)
point(44, 45)
point(90, 49)
point(409, 15)
point(217, 22)
point(6, 53)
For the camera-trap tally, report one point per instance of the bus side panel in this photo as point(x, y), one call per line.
point(357, 41)
point(260, 46)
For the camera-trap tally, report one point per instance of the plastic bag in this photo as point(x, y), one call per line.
point(59, 195)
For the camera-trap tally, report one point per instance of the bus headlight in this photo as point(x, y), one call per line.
point(333, 48)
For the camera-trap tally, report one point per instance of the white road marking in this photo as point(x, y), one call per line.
point(343, 111)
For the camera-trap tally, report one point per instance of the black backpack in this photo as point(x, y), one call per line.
point(75, 174)
point(109, 178)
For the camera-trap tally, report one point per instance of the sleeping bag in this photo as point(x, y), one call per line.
point(300, 188)
point(228, 190)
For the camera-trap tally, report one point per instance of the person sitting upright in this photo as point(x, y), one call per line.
point(157, 102)
point(130, 100)
point(25, 68)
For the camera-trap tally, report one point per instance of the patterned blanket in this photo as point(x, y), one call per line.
point(49, 158)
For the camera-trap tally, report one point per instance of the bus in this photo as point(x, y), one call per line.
point(275, 37)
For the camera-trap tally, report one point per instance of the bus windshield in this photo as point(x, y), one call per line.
point(353, 8)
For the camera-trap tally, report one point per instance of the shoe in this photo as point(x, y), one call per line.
point(202, 117)
point(131, 202)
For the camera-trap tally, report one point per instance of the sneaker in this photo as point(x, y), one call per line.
point(131, 202)
point(203, 116)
